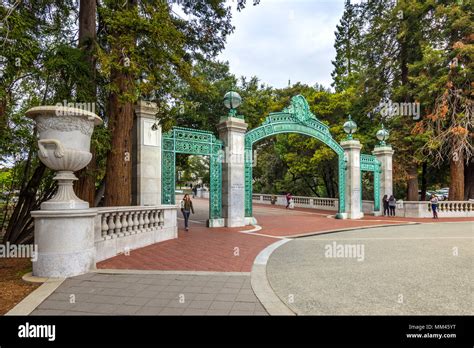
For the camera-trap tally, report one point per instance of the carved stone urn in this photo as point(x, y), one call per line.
point(64, 146)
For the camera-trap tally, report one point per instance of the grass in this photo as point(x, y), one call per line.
point(12, 288)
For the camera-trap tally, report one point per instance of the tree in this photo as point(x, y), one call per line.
point(443, 79)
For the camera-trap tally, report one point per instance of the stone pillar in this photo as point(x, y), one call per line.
point(65, 242)
point(353, 183)
point(146, 156)
point(384, 155)
point(232, 133)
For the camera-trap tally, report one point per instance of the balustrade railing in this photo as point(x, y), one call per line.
point(118, 222)
point(454, 207)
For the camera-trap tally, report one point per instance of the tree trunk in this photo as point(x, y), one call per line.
point(3, 115)
point(423, 182)
point(456, 186)
point(85, 186)
point(118, 183)
point(469, 180)
point(412, 184)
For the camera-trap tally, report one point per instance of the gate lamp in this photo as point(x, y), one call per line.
point(232, 101)
point(350, 127)
point(382, 135)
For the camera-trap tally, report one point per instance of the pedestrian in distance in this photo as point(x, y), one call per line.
point(392, 203)
point(434, 205)
point(186, 209)
point(288, 199)
point(385, 205)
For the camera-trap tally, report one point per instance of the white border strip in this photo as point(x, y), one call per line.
point(33, 300)
point(260, 285)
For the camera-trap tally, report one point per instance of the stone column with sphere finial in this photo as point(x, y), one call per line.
point(232, 130)
point(384, 154)
point(352, 149)
point(64, 227)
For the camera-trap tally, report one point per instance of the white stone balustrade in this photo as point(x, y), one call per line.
point(300, 201)
point(404, 208)
point(120, 229)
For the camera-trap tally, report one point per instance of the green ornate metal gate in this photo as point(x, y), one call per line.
point(195, 142)
point(297, 118)
point(369, 163)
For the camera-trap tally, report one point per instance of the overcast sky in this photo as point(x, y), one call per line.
point(281, 40)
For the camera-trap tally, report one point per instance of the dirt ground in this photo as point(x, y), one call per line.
point(12, 288)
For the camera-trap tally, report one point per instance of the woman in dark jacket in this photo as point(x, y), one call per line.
point(186, 209)
point(392, 203)
point(385, 205)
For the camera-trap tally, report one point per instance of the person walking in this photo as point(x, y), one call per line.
point(434, 205)
point(288, 199)
point(186, 209)
point(392, 203)
point(385, 205)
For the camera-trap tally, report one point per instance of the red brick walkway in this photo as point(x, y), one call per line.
point(200, 249)
point(228, 250)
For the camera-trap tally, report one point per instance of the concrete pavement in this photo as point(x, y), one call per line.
point(419, 270)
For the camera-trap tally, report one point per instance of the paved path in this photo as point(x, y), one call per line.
point(404, 270)
point(153, 294)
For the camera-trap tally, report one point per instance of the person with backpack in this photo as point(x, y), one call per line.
point(186, 209)
point(434, 205)
point(392, 204)
point(385, 205)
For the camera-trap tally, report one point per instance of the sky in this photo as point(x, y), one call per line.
point(284, 40)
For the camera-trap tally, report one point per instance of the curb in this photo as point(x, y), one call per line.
point(260, 285)
point(33, 300)
point(309, 234)
point(138, 271)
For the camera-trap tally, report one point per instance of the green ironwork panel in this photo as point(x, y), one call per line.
point(342, 166)
point(215, 198)
point(377, 190)
point(193, 142)
point(248, 182)
point(168, 177)
point(370, 163)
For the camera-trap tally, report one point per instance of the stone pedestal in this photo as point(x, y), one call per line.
point(146, 158)
point(384, 155)
point(65, 242)
point(353, 180)
point(232, 133)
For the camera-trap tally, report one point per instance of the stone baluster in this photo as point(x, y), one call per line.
point(162, 218)
point(118, 225)
point(147, 221)
point(130, 222)
point(111, 225)
point(141, 222)
point(104, 225)
point(124, 222)
point(136, 221)
point(152, 220)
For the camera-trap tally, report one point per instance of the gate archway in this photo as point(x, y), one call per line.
point(297, 118)
point(193, 142)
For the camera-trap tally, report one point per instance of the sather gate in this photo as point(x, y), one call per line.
point(230, 201)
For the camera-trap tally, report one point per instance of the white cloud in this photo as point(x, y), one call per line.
point(281, 40)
